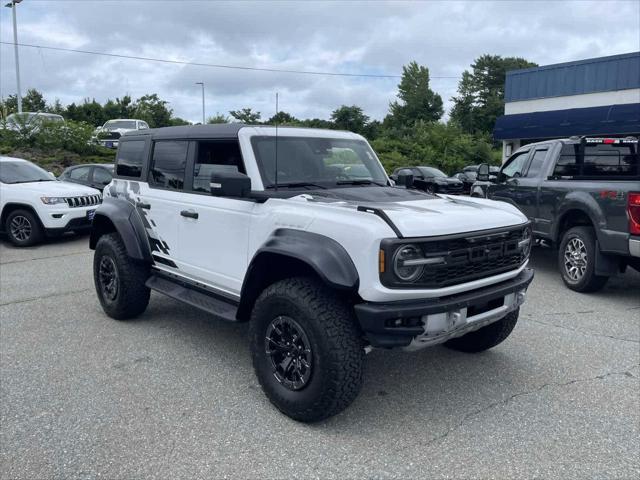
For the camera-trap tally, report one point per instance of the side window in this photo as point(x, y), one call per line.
point(80, 174)
point(129, 159)
point(213, 157)
point(536, 163)
point(514, 166)
point(417, 174)
point(143, 125)
point(101, 176)
point(168, 164)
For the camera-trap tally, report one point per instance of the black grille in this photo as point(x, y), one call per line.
point(465, 258)
point(110, 135)
point(84, 201)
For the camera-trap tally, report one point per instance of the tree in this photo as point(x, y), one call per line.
point(417, 101)
point(153, 110)
point(283, 118)
point(246, 115)
point(350, 118)
point(89, 111)
point(218, 118)
point(33, 101)
point(480, 97)
point(119, 108)
point(177, 121)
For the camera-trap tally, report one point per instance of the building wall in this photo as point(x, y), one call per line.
point(599, 99)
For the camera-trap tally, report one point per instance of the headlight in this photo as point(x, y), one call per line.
point(526, 242)
point(402, 263)
point(52, 200)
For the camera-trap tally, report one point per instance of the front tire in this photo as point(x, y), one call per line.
point(307, 352)
point(486, 337)
point(576, 259)
point(23, 228)
point(119, 281)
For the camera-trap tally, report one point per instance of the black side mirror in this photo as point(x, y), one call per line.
point(483, 172)
point(230, 184)
point(405, 178)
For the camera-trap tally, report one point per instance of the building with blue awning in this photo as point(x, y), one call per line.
point(598, 96)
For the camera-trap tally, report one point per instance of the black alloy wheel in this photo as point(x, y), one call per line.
point(288, 347)
point(108, 278)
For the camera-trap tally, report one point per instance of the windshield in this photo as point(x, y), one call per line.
point(317, 162)
point(431, 172)
point(114, 124)
point(22, 172)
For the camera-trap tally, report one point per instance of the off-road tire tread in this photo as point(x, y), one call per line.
point(37, 230)
point(346, 353)
point(487, 337)
point(590, 282)
point(133, 295)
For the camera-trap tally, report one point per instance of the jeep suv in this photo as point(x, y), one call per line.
point(267, 226)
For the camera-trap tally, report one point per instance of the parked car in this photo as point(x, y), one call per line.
point(109, 134)
point(33, 204)
point(96, 175)
point(249, 226)
point(431, 180)
point(466, 179)
point(582, 196)
point(31, 121)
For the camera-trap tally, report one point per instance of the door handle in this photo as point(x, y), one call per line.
point(189, 214)
point(146, 206)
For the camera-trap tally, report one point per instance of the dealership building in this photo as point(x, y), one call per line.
point(598, 96)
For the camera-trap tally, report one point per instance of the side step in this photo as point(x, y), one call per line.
point(209, 303)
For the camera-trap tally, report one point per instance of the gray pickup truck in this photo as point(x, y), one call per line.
point(582, 196)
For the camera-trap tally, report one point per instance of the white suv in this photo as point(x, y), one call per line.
point(109, 134)
point(268, 226)
point(33, 204)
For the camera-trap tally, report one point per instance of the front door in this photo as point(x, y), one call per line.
point(506, 187)
point(214, 231)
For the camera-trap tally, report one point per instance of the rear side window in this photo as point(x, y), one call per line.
point(168, 164)
point(130, 158)
point(80, 174)
point(597, 160)
point(537, 161)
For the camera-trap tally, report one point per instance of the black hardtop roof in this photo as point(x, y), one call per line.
point(218, 130)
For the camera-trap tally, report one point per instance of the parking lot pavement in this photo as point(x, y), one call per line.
point(173, 394)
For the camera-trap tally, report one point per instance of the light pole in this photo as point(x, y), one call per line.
point(202, 85)
point(12, 4)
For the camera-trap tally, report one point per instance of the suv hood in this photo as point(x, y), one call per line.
point(57, 189)
point(417, 214)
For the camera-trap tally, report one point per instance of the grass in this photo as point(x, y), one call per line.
point(57, 160)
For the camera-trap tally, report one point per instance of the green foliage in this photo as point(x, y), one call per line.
point(417, 101)
point(480, 97)
point(32, 101)
point(89, 111)
point(350, 118)
point(246, 115)
point(177, 121)
point(218, 118)
point(153, 110)
point(283, 118)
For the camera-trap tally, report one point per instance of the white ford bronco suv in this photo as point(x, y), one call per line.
point(270, 226)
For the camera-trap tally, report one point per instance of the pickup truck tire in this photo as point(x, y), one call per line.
point(23, 228)
point(306, 349)
point(486, 337)
point(119, 281)
point(576, 260)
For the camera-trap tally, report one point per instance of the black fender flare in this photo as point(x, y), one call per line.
point(126, 221)
point(323, 255)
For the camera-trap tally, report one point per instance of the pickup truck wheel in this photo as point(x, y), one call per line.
point(307, 352)
point(486, 337)
point(576, 259)
point(119, 281)
point(23, 228)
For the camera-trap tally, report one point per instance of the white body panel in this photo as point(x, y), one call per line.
point(29, 194)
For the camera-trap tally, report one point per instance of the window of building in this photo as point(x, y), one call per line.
point(213, 157)
point(168, 164)
point(130, 158)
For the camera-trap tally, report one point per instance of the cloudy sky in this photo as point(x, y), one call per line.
point(344, 37)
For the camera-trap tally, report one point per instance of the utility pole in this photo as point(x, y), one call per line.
point(202, 85)
point(13, 4)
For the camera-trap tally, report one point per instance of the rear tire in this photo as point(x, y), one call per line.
point(576, 260)
point(23, 228)
point(307, 352)
point(487, 337)
point(119, 281)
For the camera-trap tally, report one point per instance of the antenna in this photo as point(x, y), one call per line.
point(276, 147)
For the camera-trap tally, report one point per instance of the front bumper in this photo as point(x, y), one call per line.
point(416, 324)
point(64, 219)
point(109, 143)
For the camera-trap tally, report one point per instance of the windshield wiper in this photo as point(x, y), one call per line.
point(296, 184)
point(359, 182)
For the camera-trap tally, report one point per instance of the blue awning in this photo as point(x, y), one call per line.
point(608, 120)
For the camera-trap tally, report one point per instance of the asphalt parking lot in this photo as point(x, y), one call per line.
point(173, 394)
